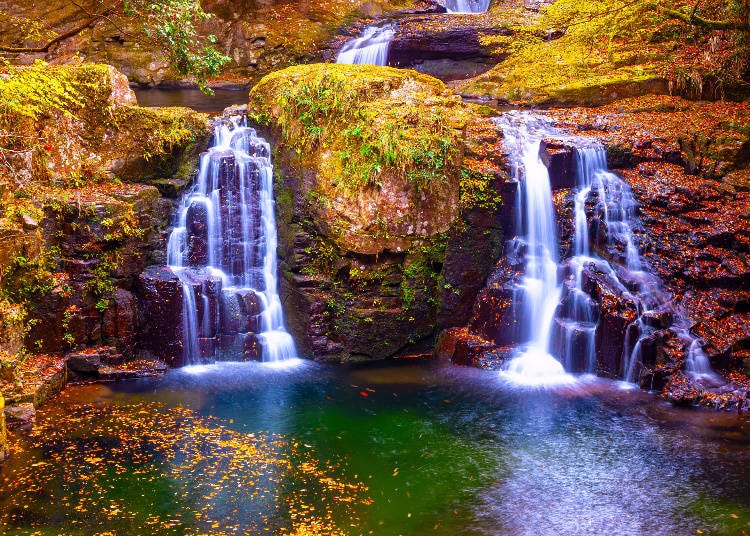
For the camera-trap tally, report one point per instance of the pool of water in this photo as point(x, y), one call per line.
point(406, 449)
point(191, 98)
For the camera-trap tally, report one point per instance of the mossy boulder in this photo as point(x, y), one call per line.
point(380, 182)
point(80, 214)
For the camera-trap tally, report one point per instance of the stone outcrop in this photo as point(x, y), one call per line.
point(258, 37)
point(446, 46)
point(81, 219)
point(380, 244)
point(560, 158)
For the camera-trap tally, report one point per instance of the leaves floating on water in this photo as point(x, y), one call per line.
point(145, 468)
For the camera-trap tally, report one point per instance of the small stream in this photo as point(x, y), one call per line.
point(412, 449)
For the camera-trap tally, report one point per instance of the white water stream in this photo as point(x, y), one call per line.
point(233, 195)
point(557, 334)
point(370, 48)
point(467, 6)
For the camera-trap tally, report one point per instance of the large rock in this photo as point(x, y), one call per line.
point(618, 312)
point(560, 158)
point(20, 415)
point(86, 363)
point(380, 244)
point(160, 298)
point(447, 46)
point(461, 347)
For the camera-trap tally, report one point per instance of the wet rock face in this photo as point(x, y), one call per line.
point(160, 300)
point(560, 159)
point(461, 347)
point(617, 312)
point(495, 313)
point(447, 47)
point(699, 242)
point(197, 229)
point(227, 319)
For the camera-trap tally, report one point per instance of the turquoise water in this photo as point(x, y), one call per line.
point(402, 449)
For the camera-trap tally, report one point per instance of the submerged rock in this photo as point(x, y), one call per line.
point(20, 415)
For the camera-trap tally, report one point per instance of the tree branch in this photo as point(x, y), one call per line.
point(696, 20)
point(63, 36)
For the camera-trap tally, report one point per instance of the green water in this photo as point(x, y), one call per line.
point(410, 449)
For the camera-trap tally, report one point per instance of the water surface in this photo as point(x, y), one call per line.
point(191, 98)
point(413, 449)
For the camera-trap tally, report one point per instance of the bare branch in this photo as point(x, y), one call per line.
point(696, 20)
point(63, 36)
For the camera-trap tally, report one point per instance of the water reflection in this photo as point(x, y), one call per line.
point(191, 98)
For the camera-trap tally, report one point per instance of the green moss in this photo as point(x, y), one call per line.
point(101, 285)
point(361, 123)
point(156, 132)
point(567, 70)
point(423, 275)
point(26, 280)
point(477, 190)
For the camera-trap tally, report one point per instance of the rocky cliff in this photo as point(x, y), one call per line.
point(88, 188)
point(258, 36)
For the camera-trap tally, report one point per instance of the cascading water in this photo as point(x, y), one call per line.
point(370, 48)
point(467, 6)
point(559, 321)
point(223, 249)
point(539, 290)
point(616, 208)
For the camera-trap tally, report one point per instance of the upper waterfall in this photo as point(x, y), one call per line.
point(467, 6)
point(370, 48)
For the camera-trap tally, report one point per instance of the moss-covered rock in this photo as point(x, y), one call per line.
point(563, 72)
point(383, 177)
point(79, 214)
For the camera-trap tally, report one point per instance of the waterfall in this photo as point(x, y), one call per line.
point(559, 320)
point(467, 6)
point(370, 48)
point(223, 249)
point(616, 207)
point(539, 292)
